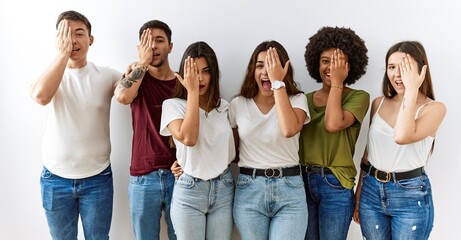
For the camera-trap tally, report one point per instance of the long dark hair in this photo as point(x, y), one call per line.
point(197, 50)
point(249, 88)
point(417, 52)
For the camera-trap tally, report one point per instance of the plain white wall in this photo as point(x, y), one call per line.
point(233, 28)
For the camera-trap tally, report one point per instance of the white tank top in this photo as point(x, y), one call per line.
point(386, 155)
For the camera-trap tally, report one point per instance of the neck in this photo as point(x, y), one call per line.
point(163, 72)
point(267, 100)
point(76, 64)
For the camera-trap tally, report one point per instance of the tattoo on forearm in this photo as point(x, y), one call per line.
point(132, 78)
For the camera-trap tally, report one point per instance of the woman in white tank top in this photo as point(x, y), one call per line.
point(394, 198)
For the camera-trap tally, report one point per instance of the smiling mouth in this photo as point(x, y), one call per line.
point(399, 83)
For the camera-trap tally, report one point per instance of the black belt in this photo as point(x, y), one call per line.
point(317, 169)
point(383, 176)
point(272, 172)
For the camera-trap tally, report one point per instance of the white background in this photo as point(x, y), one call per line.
point(233, 29)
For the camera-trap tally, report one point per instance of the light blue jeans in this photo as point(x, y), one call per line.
point(270, 208)
point(330, 207)
point(203, 209)
point(149, 195)
point(397, 209)
point(65, 199)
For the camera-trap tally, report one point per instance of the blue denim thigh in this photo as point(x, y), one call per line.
point(64, 199)
point(397, 209)
point(203, 209)
point(149, 195)
point(270, 208)
point(330, 207)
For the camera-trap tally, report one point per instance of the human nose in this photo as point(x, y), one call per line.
point(264, 70)
point(397, 71)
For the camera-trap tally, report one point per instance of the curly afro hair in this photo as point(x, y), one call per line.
point(344, 39)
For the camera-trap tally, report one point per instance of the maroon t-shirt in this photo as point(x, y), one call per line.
point(150, 151)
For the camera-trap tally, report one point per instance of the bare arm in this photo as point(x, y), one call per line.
point(407, 128)
point(336, 118)
point(291, 119)
point(127, 88)
point(358, 189)
point(44, 88)
point(186, 130)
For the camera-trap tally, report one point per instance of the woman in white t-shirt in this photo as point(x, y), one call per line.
point(267, 117)
point(197, 119)
point(394, 198)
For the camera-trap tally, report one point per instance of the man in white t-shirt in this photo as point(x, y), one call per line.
point(76, 177)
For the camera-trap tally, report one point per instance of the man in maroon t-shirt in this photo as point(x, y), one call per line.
point(149, 83)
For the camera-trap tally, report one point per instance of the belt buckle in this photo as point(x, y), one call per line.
point(308, 169)
point(273, 171)
point(379, 174)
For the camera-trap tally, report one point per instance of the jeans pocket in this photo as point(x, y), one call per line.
point(333, 182)
point(243, 181)
point(412, 183)
point(185, 181)
point(294, 181)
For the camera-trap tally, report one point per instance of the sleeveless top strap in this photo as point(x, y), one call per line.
point(380, 103)
point(421, 107)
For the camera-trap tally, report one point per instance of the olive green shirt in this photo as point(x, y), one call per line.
point(333, 150)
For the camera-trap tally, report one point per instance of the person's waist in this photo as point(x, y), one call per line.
point(219, 177)
point(272, 172)
point(384, 176)
point(316, 169)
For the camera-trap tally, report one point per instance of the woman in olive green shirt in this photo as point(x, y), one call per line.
point(335, 57)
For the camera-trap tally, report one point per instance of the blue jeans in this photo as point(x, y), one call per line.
point(270, 208)
point(330, 207)
point(148, 195)
point(203, 209)
point(397, 209)
point(64, 199)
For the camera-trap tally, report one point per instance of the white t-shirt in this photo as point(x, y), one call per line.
point(262, 144)
point(214, 149)
point(76, 142)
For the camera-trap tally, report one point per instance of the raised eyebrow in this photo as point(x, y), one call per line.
point(206, 68)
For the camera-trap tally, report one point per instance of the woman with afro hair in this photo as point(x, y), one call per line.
point(336, 57)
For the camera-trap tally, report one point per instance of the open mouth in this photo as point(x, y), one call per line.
point(399, 83)
point(266, 84)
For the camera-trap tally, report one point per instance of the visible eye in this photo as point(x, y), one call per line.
point(159, 40)
point(325, 61)
point(206, 71)
point(259, 65)
point(79, 35)
point(391, 67)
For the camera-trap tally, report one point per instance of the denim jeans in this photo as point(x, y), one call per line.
point(397, 209)
point(148, 195)
point(203, 209)
point(330, 207)
point(64, 199)
point(270, 208)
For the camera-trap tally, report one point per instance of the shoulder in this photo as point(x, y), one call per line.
point(237, 100)
point(359, 94)
point(174, 102)
point(377, 101)
point(434, 108)
point(104, 70)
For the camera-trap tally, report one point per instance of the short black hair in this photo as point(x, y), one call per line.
point(337, 37)
point(156, 24)
point(74, 16)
